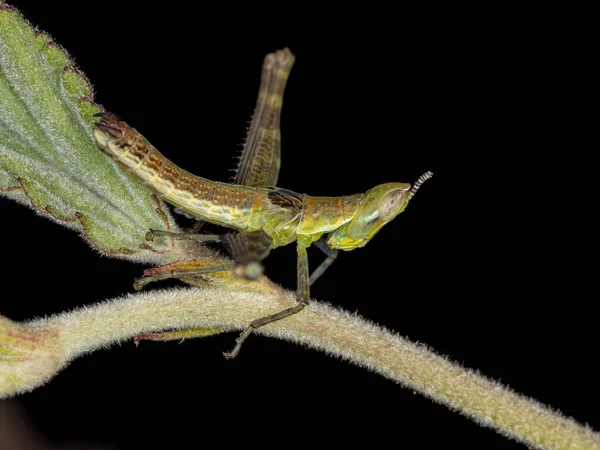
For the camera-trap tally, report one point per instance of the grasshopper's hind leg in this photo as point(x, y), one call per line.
point(178, 273)
point(146, 279)
point(150, 235)
point(247, 249)
point(302, 297)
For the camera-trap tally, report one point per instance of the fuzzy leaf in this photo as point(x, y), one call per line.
point(48, 159)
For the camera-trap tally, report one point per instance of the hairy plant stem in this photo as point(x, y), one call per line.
point(63, 337)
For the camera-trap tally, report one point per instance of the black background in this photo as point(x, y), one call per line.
point(492, 264)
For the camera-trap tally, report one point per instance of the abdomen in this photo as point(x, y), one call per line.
point(221, 203)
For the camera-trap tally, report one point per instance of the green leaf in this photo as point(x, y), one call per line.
point(48, 159)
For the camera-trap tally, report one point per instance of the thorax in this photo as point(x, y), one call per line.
point(325, 214)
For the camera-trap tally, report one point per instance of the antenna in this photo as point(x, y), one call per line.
point(422, 179)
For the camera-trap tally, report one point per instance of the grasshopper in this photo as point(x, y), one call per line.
point(262, 215)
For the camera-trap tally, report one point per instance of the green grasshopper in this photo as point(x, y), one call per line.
point(263, 216)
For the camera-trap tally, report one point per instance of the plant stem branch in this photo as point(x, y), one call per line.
point(52, 342)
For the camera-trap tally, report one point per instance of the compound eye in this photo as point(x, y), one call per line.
point(391, 204)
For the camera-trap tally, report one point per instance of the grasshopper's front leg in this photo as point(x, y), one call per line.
point(331, 256)
point(302, 297)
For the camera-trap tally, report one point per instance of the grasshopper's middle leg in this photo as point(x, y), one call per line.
point(302, 297)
